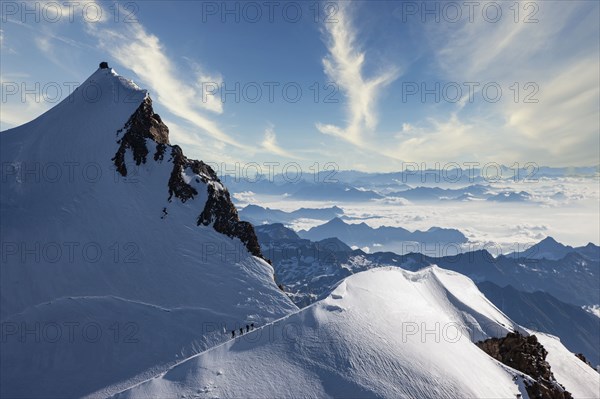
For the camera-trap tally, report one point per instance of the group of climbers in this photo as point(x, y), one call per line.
point(248, 328)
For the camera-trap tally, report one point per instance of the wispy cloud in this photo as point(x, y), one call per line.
point(6, 49)
point(557, 54)
point(145, 55)
point(212, 151)
point(439, 139)
point(269, 144)
point(564, 126)
point(55, 46)
point(48, 33)
point(208, 85)
point(344, 65)
point(43, 43)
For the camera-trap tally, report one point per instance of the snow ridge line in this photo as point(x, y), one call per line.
point(118, 298)
point(228, 342)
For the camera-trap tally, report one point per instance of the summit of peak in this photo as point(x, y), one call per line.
point(84, 125)
point(550, 241)
point(107, 77)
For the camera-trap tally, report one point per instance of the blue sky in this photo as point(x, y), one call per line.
point(370, 61)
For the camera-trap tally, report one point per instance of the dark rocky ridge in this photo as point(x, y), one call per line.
point(220, 211)
point(527, 355)
point(145, 125)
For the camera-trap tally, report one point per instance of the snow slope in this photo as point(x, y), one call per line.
point(104, 279)
point(382, 333)
point(577, 377)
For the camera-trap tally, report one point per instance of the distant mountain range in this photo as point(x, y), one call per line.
point(362, 235)
point(437, 193)
point(305, 190)
point(334, 192)
point(551, 249)
point(361, 191)
point(396, 181)
point(511, 196)
point(258, 215)
point(572, 279)
point(431, 176)
point(426, 185)
point(468, 193)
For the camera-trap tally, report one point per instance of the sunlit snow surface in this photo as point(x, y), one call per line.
point(382, 333)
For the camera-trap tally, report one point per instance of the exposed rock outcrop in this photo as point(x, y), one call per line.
point(219, 209)
point(177, 186)
point(221, 212)
point(527, 355)
point(142, 125)
point(145, 127)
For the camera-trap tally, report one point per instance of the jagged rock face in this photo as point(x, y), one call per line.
point(527, 355)
point(177, 186)
point(144, 126)
point(220, 211)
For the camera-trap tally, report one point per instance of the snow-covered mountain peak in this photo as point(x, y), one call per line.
point(104, 90)
point(108, 129)
point(105, 222)
point(108, 76)
point(82, 127)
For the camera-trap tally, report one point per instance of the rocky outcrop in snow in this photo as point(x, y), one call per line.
point(142, 125)
point(145, 127)
point(527, 355)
